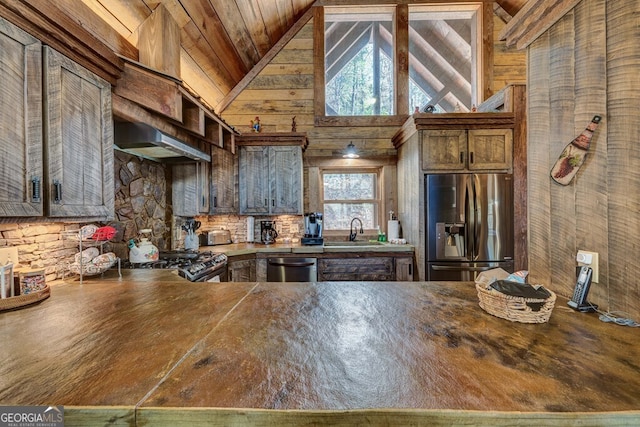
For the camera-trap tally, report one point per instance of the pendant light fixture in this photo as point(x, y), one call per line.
point(351, 152)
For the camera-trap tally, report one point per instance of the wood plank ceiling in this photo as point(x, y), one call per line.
point(221, 40)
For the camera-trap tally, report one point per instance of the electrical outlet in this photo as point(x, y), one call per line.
point(295, 228)
point(590, 259)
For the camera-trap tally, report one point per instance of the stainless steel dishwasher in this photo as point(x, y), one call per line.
point(292, 270)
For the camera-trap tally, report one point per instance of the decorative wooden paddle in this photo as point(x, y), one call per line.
point(573, 155)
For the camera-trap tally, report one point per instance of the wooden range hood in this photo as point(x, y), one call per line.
point(151, 93)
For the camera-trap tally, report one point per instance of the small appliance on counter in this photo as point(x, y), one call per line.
point(144, 251)
point(268, 233)
point(312, 229)
point(215, 237)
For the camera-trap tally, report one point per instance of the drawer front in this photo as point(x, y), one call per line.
point(348, 269)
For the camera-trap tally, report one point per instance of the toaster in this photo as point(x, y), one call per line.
point(215, 237)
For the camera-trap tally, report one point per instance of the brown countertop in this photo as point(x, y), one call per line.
point(151, 347)
point(236, 249)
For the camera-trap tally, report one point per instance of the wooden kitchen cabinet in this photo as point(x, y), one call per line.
point(242, 269)
point(223, 182)
point(461, 150)
point(21, 138)
point(59, 113)
point(78, 129)
point(270, 180)
point(190, 188)
point(349, 269)
point(404, 269)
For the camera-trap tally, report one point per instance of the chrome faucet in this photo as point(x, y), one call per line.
point(352, 235)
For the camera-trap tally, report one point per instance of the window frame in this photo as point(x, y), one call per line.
point(401, 67)
point(379, 191)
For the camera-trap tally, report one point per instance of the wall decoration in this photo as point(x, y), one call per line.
point(255, 124)
point(573, 155)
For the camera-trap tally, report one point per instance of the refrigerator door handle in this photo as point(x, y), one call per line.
point(477, 218)
point(459, 268)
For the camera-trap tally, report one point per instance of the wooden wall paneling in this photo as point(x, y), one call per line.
point(623, 153)
point(562, 105)
point(411, 199)
point(539, 162)
point(592, 231)
point(389, 195)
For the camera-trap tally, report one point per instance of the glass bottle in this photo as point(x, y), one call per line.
point(573, 155)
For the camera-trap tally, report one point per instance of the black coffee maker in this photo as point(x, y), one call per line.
point(268, 232)
point(312, 229)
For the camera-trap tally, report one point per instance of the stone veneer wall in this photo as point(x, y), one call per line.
point(40, 246)
point(142, 192)
point(141, 202)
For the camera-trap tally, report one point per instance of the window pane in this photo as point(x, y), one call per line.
point(358, 64)
point(349, 186)
point(442, 57)
point(338, 216)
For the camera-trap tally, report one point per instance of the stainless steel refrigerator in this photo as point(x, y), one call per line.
point(469, 224)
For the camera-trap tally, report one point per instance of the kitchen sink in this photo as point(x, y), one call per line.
point(356, 243)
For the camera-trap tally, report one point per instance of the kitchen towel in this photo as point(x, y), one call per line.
point(393, 228)
point(250, 225)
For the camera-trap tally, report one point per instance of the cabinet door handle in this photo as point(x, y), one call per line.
point(35, 189)
point(57, 191)
point(273, 202)
point(215, 201)
point(266, 202)
point(471, 157)
point(461, 157)
point(410, 269)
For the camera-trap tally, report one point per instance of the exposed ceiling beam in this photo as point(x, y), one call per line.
point(536, 17)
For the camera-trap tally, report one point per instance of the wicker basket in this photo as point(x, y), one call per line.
point(515, 309)
point(24, 300)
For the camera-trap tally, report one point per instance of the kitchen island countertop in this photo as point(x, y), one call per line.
point(151, 348)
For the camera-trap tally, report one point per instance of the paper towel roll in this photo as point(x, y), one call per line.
point(250, 224)
point(393, 228)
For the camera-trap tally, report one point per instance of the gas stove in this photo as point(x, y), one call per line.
point(192, 265)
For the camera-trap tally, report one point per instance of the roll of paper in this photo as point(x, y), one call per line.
point(250, 224)
point(393, 228)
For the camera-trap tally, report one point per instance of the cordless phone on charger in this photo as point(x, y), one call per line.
point(579, 300)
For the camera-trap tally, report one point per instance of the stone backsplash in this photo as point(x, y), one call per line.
point(237, 225)
point(141, 202)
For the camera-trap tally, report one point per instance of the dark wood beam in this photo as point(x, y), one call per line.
point(536, 17)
